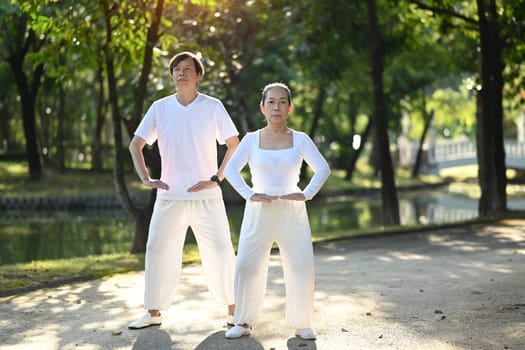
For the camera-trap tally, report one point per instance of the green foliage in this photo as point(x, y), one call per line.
point(455, 112)
point(245, 44)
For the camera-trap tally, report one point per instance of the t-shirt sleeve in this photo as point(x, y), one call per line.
point(316, 161)
point(147, 128)
point(237, 162)
point(225, 126)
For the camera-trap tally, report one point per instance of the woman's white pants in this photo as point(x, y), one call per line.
point(285, 222)
point(168, 227)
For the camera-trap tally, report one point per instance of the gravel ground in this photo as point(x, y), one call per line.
point(453, 288)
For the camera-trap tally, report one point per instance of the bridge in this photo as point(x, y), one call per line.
point(438, 155)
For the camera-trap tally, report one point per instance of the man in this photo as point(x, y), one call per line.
point(187, 125)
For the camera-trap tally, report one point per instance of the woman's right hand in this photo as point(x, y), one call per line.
point(261, 197)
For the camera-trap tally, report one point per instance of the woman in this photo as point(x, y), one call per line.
point(275, 212)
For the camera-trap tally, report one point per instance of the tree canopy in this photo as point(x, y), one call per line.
point(78, 75)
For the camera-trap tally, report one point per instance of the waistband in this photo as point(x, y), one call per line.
point(277, 190)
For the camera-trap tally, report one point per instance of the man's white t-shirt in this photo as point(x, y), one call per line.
point(187, 138)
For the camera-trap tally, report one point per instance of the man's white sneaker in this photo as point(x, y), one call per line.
point(306, 334)
point(237, 332)
point(145, 320)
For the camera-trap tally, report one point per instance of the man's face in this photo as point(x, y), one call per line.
point(184, 74)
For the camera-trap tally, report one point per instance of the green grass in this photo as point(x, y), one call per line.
point(464, 181)
point(15, 181)
point(47, 272)
point(366, 179)
point(43, 272)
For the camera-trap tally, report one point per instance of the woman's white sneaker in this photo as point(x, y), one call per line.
point(306, 334)
point(145, 320)
point(229, 321)
point(237, 332)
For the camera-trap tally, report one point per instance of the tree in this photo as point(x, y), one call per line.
point(9, 135)
point(22, 45)
point(230, 39)
point(427, 120)
point(388, 187)
point(491, 153)
point(141, 215)
point(331, 80)
point(489, 27)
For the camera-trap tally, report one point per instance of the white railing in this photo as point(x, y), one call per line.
point(445, 154)
point(451, 150)
point(515, 148)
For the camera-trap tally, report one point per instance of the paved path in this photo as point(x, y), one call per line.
point(455, 288)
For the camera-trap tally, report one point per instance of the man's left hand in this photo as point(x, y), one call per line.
point(203, 185)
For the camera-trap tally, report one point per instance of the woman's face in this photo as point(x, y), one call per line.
point(276, 106)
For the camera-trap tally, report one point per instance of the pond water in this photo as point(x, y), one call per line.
point(37, 235)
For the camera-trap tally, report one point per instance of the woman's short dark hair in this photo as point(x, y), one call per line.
point(199, 68)
point(271, 86)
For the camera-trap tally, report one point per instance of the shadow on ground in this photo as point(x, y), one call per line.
point(153, 338)
point(218, 341)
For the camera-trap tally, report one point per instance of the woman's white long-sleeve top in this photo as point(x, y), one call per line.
point(276, 168)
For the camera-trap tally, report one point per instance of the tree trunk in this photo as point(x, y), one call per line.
point(141, 216)
point(141, 226)
point(390, 205)
point(427, 122)
point(28, 92)
point(5, 130)
point(61, 154)
point(318, 110)
point(118, 172)
point(32, 151)
point(28, 102)
point(355, 155)
point(490, 146)
point(152, 37)
point(96, 152)
point(245, 123)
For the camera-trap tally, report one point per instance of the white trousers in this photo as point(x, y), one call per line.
point(284, 222)
point(168, 227)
